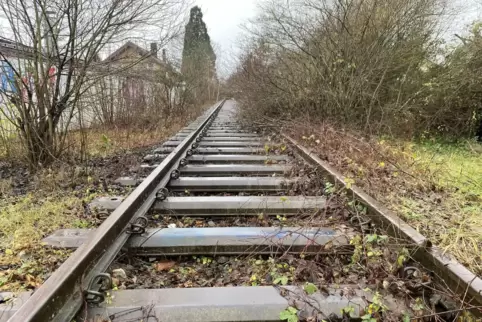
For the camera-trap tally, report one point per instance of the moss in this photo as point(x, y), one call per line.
point(24, 221)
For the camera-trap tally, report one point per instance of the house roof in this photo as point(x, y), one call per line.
point(141, 51)
point(12, 48)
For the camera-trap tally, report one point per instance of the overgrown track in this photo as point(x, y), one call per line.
point(217, 179)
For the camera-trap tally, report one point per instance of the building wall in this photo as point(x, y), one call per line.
point(11, 69)
point(120, 93)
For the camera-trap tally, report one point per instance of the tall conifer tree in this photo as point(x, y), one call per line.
point(198, 57)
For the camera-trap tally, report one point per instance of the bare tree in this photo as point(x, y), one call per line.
point(58, 45)
point(369, 64)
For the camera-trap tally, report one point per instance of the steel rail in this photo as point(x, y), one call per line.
point(455, 276)
point(62, 295)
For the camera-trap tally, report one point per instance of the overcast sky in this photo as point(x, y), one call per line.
point(224, 17)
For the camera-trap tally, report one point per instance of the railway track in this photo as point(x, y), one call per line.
point(218, 201)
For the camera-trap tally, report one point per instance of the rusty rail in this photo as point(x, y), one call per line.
point(63, 294)
point(449, 271)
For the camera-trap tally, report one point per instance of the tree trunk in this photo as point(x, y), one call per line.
point(479, 131)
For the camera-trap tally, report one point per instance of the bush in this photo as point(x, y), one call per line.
point(370, 65)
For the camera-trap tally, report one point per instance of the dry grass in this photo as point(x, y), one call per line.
point(434, 187)
point(24, 221)
point(100, 141)
point(54, 198)
point(108, 141)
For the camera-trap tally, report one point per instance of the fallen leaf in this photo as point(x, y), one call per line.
point(164, 266)
point(386, 284)
point(119, 273)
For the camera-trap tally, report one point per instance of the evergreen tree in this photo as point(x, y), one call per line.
point(198, 57)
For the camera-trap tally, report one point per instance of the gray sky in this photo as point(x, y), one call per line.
point(224, 17)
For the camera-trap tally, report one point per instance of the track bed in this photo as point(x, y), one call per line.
point(240, 228)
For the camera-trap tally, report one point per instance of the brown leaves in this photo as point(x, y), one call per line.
point(164, 265)
point(32, 281)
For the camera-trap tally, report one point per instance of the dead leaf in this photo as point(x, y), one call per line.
point(328, 246)
point(164, 266)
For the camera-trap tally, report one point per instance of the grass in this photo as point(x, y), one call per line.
point(451, 216)
point(54, 198)
point(100, 141)
point(435, 186)
point(24, 221)
point(453, 165)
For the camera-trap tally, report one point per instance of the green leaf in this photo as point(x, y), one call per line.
point(348, 310)
point(310, 288)
point(382, 238)
point(406, 318)
point(266, 148)
point(293, 318)
point(284, 280)
point(285, 315)
point(372, 238)
point(349, 182)
point(289, 314)
point(292, 310)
